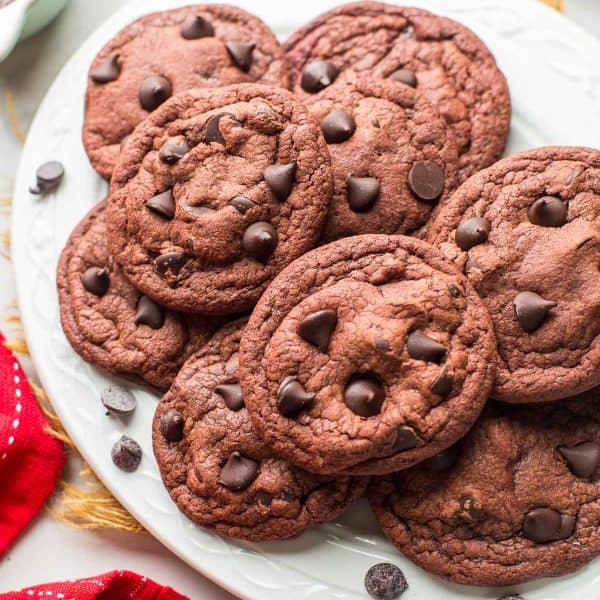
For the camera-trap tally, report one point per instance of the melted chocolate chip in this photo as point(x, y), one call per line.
point(421, 347)
point(531, 310)
point(385, 581)
point(454, 291)
point(232, 395)
point(213, 133)
point(126, 454)
point(118, 400)
point(242, 204)
point(281, 178)
point(292, 397)
point(405, 76)
point(583, 459)
point(472, 232)
point(108, 70)
point(197, 27)
point(426, 180)
point(364, 396)
point(162, 204)
point(238, 473)
point(241, 54)
point(171, 425)
point(338, 126)
point(48, 177)
point(170, 262)
point(361, 192)
point(442, 461)
point(317, 75)
point(548, 211)
point(260, 240)
point(317, 328)
point(442, 386)
point(173, 151)
point(546, 524)
point(149, 313)
point(154, 91)
point(469, 511)
point(96, 280)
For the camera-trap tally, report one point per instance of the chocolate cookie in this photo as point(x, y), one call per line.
point(527, 234)
point(366, 356)
point(517, 499)
point(164, 53)
point(438, 56)
point(393, 157)
point(112, 325)
point(215, 193)
point(216, 468)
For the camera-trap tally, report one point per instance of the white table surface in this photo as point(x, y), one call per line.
point(48, 550)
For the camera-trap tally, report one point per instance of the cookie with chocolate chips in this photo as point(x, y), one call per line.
point(113, 326)
point(207, 229)
point(518, 500)
point(163, 53)
point(440, 57)
point(366, 356)
point(216, 468)
point(527, 234)
point(393, 157)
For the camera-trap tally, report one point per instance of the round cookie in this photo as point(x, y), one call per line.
point(216, 468)
point(366, 356)
point(441, 57)
point(215, 193)
point(113, 326)
point(163, 53)
point(527, 234)
point(393, 157)
point(517, 499)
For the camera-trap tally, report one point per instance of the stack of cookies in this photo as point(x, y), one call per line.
point(307, 249)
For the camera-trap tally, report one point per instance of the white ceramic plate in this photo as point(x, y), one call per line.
point(554, 74)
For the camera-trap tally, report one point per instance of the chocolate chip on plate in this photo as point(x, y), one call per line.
point(118, 400)
point(126, 453)
point(385, 581)
point(48, 177)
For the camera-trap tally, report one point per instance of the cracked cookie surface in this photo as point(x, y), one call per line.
point(517, 499)
point(527, 233)
point(108, 323)
point(215, 193)
point(164, 53)
point(366, 356)
point(216, 468)
point(441, 57)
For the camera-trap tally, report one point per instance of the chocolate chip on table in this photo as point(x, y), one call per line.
point(196, 27)
point(241, 54)
point(154, 91)
point(426, 180)
point(170, 262)
point(281, 178)
point(242, 204)
point(548, 211)
point(582, 459)
point(443, 460)
point(126, 454)
point(338, 126)
point(162, 204)
point(171, 425)
point(364, 396)
point(108, 70)
point(405, 76)
point(531, 310)
point(317, 75)
point(232, 395)
point(421, 347)
point(292, 397)
point(317, 328)
point(239, 472)
point(260, 240)
point(118, 400)
point(361, 192)
point(149, 313)
point(48, 177)
point(472, 232)
point(546, 524)
point(385, 581)
point(96, 280)
point(173, 151)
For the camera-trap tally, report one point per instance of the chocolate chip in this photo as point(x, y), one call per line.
point(232, 395)
point(548, 211)
point(242, 204)
point(317, 328)
point(364, 396)
point(405, 76)
point(96, 280)
point(108, 70)
point(317, 75)
point(454, 291)
point(382, 344)
point(171, 425)
point(443, 460)
point(118, 400)
point(239, 472)
point(281, 178)
point(170, 262)
point(361, 192)
point(546, 524)
point(264, 498)
point(338, 126)
point(442, 386)
point(421, 347)
point(162, 204)
point(173, 151)
point(149, 313)
point(406, 439)
point(426, 180)
point(469, 511)
point(197, 27)
point(531, 310)
point(472, 232)
point(48, 177)
point(154, 91)
point(213, 133)
point(260, 240)
point(512, 597)
point(241, 54)
point(583, 459)
point(385, 581)
point(292, 397)
point(126, 453)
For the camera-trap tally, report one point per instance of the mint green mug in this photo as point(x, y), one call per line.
point(21, 18)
